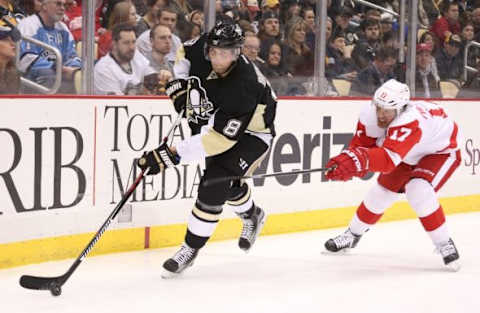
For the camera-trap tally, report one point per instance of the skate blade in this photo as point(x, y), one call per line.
point(345, 251)
point(169, 275)
point(453, 266)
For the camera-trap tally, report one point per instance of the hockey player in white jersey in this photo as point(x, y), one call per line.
point(415, 147)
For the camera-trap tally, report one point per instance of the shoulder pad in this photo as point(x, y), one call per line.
point(406, 117)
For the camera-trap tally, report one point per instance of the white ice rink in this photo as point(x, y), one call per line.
point(393, 269)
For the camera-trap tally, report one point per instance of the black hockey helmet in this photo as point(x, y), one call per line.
point(225, 34)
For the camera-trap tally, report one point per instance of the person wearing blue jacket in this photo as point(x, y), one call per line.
point(39, 64)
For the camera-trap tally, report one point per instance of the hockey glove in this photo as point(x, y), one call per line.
point(177, 91)
point(159, 159)
point(351, 162)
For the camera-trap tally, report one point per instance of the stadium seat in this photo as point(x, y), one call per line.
point(342, 86)
point(449, 89)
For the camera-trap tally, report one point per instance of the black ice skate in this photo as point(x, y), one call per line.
point(449, 254)
point(253, 221)
point(179, 262)
point(344, 241)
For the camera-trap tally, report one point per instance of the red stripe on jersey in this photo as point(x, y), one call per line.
point(401, 139)
point(434, 220)
point(367, 216)
point(360, 138)
point(379, 160)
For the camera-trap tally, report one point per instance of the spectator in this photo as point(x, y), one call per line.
point(197, 17)
point(376, 73)
point(373, 14)
point(30, 6)
point(73, 18)
point(271, 5)
point(247, 27)
point(476, 21)
point(251, 48)
point(182, 7)
point(430, 39)
point(449, 59)
point(122, 71)
point(46, 26)
point(123, 12)
point(275, 68)
point(298, 57)
point(269, 26)
point(249, 10)
point(467, 30)
point(308, 14)
point(342, 23)
point(289, 9)
point(161, 39)
point(339, 63)
point(426, 76)
point(190, 31)
point(166, 17)
point(150, 18)
point(140, 7)
point(386, 23)
point(9, 75)
point(448, 23)
point(365, 50)
point(467, 36)
point(431, 9)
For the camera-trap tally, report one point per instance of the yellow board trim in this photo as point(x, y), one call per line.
point(64, 247)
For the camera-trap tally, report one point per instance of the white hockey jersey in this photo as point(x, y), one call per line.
point(111, 79)
point(423, 128)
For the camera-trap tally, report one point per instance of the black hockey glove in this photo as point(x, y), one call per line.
point(177, 91)
point(159, 159)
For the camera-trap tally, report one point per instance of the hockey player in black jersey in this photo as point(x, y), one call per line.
point(234, 142)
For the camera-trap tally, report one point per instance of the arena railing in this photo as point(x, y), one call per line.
point(58, 70)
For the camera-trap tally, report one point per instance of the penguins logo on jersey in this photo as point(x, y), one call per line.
point(198, 105)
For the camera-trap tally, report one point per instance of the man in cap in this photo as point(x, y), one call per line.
point(449, 59)
point(9, 75)
point(426, 75)
point(269, 26)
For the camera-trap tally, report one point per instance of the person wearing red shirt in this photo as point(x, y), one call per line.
point(448, 23)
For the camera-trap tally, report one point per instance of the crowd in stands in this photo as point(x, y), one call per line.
point(137, 43)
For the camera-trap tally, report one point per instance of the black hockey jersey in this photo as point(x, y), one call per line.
point(243, 103)
point(191, 62)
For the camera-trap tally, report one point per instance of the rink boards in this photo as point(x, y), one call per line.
point(67, 161)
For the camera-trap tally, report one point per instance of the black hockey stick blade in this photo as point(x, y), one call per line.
point(41, 283)
point(54, 284)
point(214, 181)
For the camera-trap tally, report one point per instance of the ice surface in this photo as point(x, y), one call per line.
point(393, 269)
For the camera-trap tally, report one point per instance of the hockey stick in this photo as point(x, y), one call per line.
point(214, 181)
point(54, 284)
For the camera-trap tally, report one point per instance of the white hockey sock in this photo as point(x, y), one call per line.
point(377, 200)
point(203, 219)
point(422, 198)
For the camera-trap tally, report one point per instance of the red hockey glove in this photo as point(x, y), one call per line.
point(351, 162)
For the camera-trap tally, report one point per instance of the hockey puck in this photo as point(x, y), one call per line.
point(55, 289)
